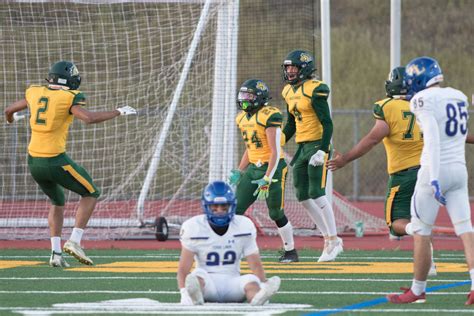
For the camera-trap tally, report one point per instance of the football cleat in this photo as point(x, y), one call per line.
point(406, 297)
point(470, 298)
point(193, 287)
point(267, 290)
point(289, 256)
point(75, 250)
point(331, 250)
point(57, 260)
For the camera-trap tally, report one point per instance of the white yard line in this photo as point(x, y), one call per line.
point(173, 278)
point(177, 292)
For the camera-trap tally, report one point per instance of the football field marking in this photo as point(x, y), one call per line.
point(382, 300)
point(362, 267)
point(440, 257)
point(149, 306)
point(174, 278)
point(177, 292)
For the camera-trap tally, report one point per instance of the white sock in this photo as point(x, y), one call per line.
point(56, 244)
point(328, 214)
point(432, 254)
point(76, 235)
point(409, 229)
point(316, 215)
point(286, 234)
point(471, 273)
point(418, 287)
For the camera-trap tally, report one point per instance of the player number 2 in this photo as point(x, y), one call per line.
point(42, 109)
point(456, 122)
point(214, 260)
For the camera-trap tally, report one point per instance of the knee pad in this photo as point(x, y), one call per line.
point(463, 227)
point(421, 228)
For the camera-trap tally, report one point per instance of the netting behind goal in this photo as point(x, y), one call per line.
point(128, 53)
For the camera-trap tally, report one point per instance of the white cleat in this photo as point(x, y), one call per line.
point(57, 260)
point(75, 250)
point(332, 250)
point(193, 287)
point(267, 290)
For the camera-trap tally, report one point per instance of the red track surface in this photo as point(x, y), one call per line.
point(265, 242)
point(440, 242)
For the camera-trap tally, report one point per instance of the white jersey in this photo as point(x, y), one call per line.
point(215, 253)
point(442, 115)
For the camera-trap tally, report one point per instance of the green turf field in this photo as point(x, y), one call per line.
point(141, 282)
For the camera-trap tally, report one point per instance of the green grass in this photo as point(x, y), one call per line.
point(38, 287)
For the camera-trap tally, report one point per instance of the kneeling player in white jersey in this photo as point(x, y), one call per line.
point(442, 179)
point(217, 240)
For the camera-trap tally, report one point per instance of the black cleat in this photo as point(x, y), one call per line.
point(289, 256)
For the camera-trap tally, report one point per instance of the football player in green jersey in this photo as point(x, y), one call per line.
point(309, 117)
point(396, 127)
point(262, 170)
point(53, 108)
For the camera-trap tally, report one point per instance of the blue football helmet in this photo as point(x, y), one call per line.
point(215, 193)
point(421, 73)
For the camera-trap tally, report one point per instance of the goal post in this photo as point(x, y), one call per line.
point(163, 133)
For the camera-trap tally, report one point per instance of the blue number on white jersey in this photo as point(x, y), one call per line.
point(456, 122)
point(214, 260)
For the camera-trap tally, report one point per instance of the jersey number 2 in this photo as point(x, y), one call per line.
point(214, 260)
point(42, 109)
point(456, 122)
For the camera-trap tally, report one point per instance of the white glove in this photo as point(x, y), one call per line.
point(127, 110)
point(185, 298)
point(16, 117)
point(318, 158)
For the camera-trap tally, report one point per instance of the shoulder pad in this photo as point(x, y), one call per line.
point(267, 112)
point(378, 109)
point(312, 87)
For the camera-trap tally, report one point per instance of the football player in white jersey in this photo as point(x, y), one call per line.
point(217, 241)
point(442, 115)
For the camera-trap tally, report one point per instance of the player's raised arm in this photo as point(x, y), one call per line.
point(11, 114)
point(90, 117)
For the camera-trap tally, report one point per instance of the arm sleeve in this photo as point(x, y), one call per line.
point(431, 140)
point(319, 101)
point(290, 126)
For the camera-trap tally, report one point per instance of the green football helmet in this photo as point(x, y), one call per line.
point(394, 83)
point(64, 73)
point(305, 63)
point(253, 94)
